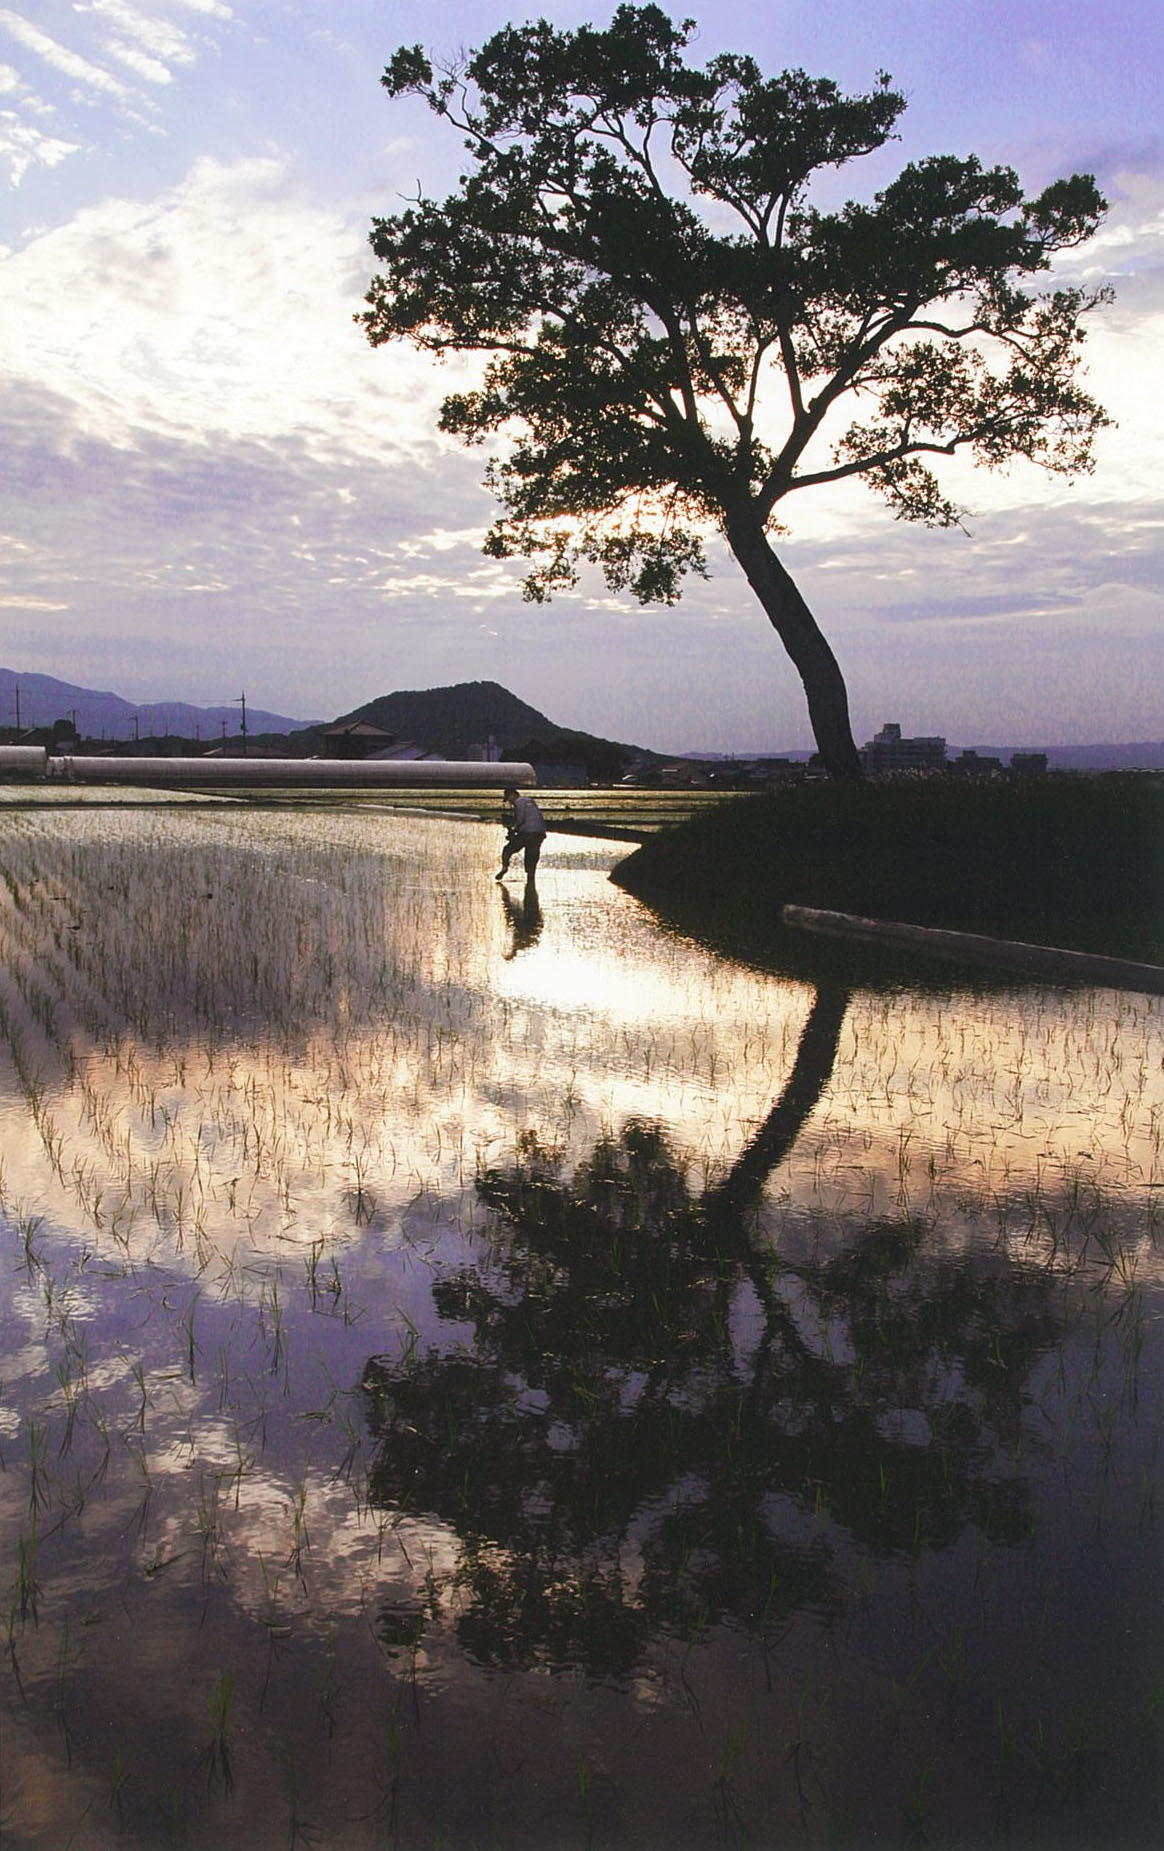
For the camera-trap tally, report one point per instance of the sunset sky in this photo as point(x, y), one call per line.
point(211, 483)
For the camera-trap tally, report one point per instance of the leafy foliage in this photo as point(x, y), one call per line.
point(671, 321)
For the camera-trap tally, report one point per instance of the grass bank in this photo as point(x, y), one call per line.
point(1070, 861)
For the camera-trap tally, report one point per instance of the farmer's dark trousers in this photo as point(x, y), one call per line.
point(531, 847)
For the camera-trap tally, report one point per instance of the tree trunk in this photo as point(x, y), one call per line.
point(795, 625)
point(812, 1070)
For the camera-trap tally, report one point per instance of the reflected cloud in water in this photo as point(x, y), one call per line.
point(441, 1331)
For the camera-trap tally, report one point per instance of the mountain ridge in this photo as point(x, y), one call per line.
point(466, 716)
point(484, 708)
point(100, 713)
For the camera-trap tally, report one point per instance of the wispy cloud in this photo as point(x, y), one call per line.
point(146, 44)
point(327, 572)
point(23, 146)
point(106, 54)
point(226, 304)
point(60, 58)
point(210, 474)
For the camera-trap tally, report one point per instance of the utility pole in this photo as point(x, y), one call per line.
point(16, 691)
point(242, 699)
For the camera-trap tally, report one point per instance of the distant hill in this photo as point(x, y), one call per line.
point(454, 718)
point(458, 719)
point(448, 720)
point(44, 699)
point(451, 721)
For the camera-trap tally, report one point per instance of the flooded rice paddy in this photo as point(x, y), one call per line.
point(480, 1370)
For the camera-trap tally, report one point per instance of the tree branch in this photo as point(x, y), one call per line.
point(883, 459)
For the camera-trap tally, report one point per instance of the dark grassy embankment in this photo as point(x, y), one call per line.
point(1069, 861)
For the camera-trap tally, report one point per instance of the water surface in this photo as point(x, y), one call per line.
point(479, 1369)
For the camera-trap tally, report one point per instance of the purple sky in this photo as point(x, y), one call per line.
point(211, 483)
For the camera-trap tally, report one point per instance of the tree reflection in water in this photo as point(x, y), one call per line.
point(660, 1423)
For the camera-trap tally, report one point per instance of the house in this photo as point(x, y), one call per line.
point(354, 739)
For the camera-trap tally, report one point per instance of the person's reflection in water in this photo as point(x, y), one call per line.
point(524, 919)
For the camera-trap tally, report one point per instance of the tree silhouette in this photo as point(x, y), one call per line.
point(675, 329)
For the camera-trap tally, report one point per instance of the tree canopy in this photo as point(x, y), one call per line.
point(679, 338)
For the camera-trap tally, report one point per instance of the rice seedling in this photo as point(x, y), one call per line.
point(39, 1480)
point(588, 1389)
point(29, 1226)
point(300, 1536)
point(219, 1756)
point(25, 1587)
point(209, 1523)
point(191, 1345)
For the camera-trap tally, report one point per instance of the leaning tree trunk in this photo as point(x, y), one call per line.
point(797, 628)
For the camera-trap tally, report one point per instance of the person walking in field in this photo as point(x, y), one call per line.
point(526, 831)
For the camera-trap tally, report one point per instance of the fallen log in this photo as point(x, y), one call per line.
point(1009, 954)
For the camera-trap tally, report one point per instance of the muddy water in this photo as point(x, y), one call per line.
point(480, 1370)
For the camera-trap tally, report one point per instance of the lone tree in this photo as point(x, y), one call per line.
point(672, 324)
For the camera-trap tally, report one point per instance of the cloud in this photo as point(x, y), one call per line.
point(23, 146)
point(203, 552)
point(321, 578)
point(224, 305)
point(59, 57)
point(213, 477)
point(118, 59)
point(147, 45)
